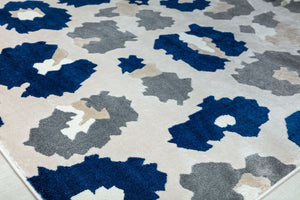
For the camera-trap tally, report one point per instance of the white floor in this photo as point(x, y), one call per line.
point(12, 188)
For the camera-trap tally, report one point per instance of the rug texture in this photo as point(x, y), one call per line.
point(150, 99)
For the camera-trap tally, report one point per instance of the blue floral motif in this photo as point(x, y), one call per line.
point(79, 3)
point(17, 68)
point(138, 180)
point(54, 18)
point(293, 126)
point(131, 63)
point(202, 62)
point(196, 132)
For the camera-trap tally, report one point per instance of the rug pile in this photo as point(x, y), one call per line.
point(150, 99)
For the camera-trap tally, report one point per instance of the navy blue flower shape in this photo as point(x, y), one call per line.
point(79, 3)
point(54, 18)
point(201, 128)
point(17, 68)
point(131, 63)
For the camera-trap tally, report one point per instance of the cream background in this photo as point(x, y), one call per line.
point(147, 138)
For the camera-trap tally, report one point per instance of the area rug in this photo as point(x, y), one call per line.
point(150, 99)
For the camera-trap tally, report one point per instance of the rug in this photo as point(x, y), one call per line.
point(150, 99)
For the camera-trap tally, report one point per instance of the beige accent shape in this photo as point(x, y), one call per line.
point(221, 7)
point(251, 187)
point(59, 55)
point(83, 118)
point(58, 59)
point(209, 43)
point(74, 125)
point(197, 41)
point(248, 192)
point(185, 1)
point(148, 71)
point(31, 14)
point(81, 42)
point(285, 34)
point(124, 8)
point(48, 65)
point(284, 74)
point(90, 113)
point(139, 1)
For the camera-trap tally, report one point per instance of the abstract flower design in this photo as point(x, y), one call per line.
point(54, 18)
